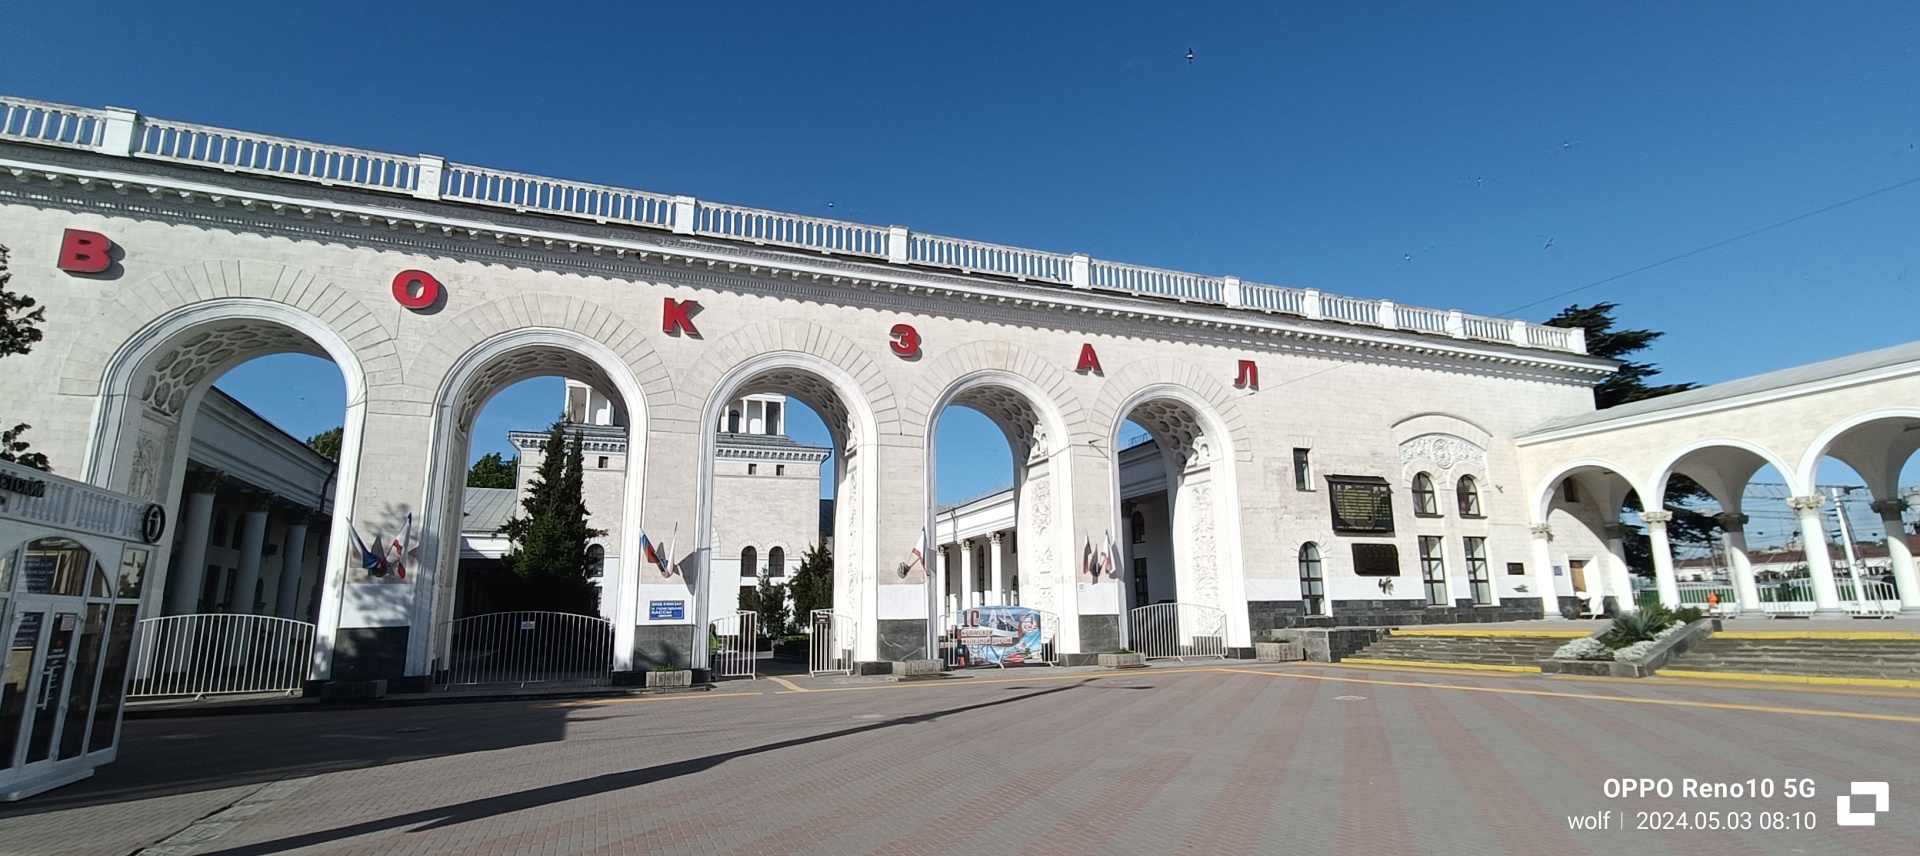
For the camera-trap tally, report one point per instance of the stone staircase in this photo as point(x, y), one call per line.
point(1882, 659)
point(1506, 650)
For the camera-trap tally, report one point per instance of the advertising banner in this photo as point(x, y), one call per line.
point(998, 635)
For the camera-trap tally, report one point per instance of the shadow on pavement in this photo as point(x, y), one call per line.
point(164, 757)
point(445, 816)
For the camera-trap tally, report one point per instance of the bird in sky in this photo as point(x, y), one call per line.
point(1189, 56)
point(1549, 245)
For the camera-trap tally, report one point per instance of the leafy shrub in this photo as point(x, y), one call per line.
point(1641, 626)
point(1584, 648)
point(1688, 615)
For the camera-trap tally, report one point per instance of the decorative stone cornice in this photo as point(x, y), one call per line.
point(1657, 518)
point(1889, 509)
point(1805, 504)
point(1731, 521)
point(1541, 531)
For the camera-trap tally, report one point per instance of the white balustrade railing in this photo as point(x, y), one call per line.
point(125, 133)
point(830, 643)
point(976, 257)
point(790, 230)
point(237, 151)
point(213, 654)
point(521, 192)
point(527, 647)
point(734, 645)
point(1178, 631)
point(50, 124)
point(1156, 282)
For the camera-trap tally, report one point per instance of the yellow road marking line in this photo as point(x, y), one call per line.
point(1763, 677)
point(1423, 664)
point(1871, 635)
point(1536, 634)
point(788, 684)
point(1665, 680)
point(674, 697)
point(1886, 717)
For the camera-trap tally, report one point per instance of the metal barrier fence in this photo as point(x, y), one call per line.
point(954, 656)
point(830, 650)
point(1179, 631)
point(526, 648)
point(1794, 598)
point(732, 643)
point(210, 654)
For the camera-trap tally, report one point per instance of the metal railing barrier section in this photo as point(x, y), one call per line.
point(830, 646)
point(1049, 641)
point(732, 643)
point(210, 654)
point(1179, 631)
point(526, 648)
point(126, 133)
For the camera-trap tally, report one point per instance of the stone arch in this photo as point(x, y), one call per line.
point(1728, 477)
point(151, 385)
point(1121, 391)
point(1808, 472)
point(1441, 423)
point(941, 375)
point(824, 371)
point(465, 385)
point(1543, 493)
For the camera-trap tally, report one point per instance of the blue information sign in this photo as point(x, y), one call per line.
point(664, 610)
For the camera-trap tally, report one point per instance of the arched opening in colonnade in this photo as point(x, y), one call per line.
point(259, 517)
point(598, 401)
point(1189, 592)
point(1584, 538)
point(1861, 475)
point(998, 506)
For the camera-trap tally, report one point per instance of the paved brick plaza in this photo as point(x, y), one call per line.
point(1194, 759)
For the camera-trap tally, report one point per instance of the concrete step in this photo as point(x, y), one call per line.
point(1474, 650)
point(1847, 658)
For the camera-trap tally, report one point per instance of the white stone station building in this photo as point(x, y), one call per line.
point(1409, 457)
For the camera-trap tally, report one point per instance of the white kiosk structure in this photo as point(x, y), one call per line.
point(74, 562)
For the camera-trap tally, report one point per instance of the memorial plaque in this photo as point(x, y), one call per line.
point(1376, 560)
point(1361, 504)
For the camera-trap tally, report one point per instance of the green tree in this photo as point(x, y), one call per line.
point(327, 443)
point(812, 584)
point(549, 544)
point(770, 608)
point(18, 334)
point(492, 471)
point(1630, 383)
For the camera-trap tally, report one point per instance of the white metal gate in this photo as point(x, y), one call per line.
point(732, 642)
point(206, 654)
point(830, 650)
point(527, 648)
point(1179, 631)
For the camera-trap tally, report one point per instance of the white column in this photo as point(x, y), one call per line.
point(1904, 577)
point(1543, 571)
point(253, 539)
point(966, 573)
point(292, 560)
point(997, 596)
point(189, 574)
point(1813, 536)
point(1663, 577)
point(944, 579)
point(1619, 578)
point(1738, 563)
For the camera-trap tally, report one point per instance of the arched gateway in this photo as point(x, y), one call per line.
point(166, 253)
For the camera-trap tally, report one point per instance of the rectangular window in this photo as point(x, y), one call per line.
point(1433, 570)
point(1302, 470)
point(1569, 492)
point(1478, 572)
point(753, 469)
point(779, 469)
point(603, 462)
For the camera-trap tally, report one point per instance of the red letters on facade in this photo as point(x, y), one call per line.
point(677, 316)
point(82, 251)
point(1089, 361)
point(904, 340)
point(416, 289)
point(1249, 376)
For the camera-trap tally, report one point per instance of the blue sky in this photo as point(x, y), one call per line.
point(1485, 158)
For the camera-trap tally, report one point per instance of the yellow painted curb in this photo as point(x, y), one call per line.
point(1762, 677)
point(1422, 664)
point(1883, 635)
point(1536, 634)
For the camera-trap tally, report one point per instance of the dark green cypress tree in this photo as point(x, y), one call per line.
point(550, 543)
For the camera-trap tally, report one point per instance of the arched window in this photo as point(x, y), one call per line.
point(1468, 493)
point(749, 563)
point(777, 562)
point(733, 422)
point(1137, 524)
point(1425, 504)
point(596, 560)
point(1313, 586)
